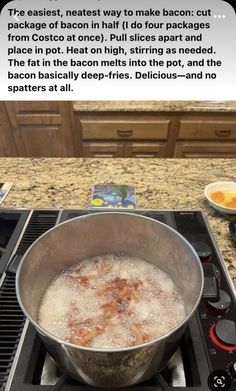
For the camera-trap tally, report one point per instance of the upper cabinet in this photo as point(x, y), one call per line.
point(7, 142)
point(43, 129)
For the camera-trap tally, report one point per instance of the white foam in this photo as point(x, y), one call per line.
point(150, 306)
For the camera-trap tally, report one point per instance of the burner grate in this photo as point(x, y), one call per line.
point(11, 317)
point(11, 324)
point(40, 222)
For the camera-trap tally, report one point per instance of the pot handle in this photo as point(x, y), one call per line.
point(211, 289)
point(14, 263)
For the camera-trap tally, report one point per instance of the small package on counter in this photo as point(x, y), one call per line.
point(109, 195)
point(4, 189)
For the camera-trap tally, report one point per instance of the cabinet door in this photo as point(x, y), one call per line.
point(7, 142)
point(145, 150)
point(43, 129)
point(103, 150)
point(205, 150)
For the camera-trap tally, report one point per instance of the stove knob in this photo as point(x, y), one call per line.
point(203, 250)
point(222, 305)
point(223, 335)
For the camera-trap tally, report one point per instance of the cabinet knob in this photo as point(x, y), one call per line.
point(223, 132)
point(124, 133)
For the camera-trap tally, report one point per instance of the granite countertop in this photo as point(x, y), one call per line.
point(159, 183)
point(135, 105)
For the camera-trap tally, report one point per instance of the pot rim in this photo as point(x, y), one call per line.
point(43, 331)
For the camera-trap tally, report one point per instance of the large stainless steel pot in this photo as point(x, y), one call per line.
point(97, 234)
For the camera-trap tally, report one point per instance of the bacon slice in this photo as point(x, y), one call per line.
point(84, 336)
point(109, 309)
point(138, 334)
point(83, 281)
point(122, 289)
point(119, 292)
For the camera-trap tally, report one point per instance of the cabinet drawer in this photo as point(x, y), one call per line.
point(123, 128)
point(145, 150)
point(102, 150)
point(207, 130)
point(205, 150)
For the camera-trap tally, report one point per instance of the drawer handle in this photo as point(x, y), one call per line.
point(223, 132)
point(143, 155)
point(105, 155)
point(124, 133)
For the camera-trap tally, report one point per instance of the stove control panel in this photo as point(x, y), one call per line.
point(216, 317)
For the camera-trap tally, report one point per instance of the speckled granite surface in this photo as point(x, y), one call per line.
point(135, 105)
point(159, 183)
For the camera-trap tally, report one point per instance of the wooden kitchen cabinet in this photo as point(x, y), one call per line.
point(124, 134)
point(143, 135)
point(123, 126)
point(146, 150)
point(7, 142)
point(189, 149)
point(105, 150)
point(134, 150)
point(207, 126)
point(54, 129)
point(206, 135)
point(43, 129)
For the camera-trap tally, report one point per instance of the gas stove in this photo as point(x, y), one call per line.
point(206, 358)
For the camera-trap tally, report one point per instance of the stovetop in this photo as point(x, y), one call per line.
point(206, 358)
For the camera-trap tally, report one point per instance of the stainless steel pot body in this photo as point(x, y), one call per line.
point(103, 233)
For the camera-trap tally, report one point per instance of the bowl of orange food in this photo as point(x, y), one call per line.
point(222, 196)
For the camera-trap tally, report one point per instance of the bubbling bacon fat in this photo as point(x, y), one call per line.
point(111, 301)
